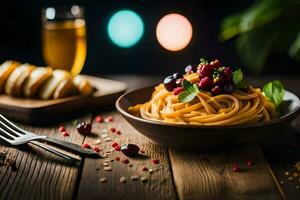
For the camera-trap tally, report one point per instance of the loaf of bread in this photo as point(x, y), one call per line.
point(29, 81)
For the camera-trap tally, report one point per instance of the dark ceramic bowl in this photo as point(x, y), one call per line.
point(200, 137)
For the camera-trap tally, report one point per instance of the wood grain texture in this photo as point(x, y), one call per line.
point(210, 175)
point(159, 185)
point(40, 175)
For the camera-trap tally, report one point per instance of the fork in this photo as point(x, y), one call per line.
point(16, 136)
point(11, 140)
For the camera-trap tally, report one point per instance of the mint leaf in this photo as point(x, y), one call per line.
point(186, 85)
point(274, 91)
point(237, 76)
point(191, 90)
point(186, 96)
point(238, 80)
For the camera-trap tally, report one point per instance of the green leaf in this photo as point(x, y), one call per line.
point(294, 50)
point(191, 90)
point(187, 85)
point(203, 61)
point(274, 91)
point(237, 76)
point(255, 46)
point(186, 96)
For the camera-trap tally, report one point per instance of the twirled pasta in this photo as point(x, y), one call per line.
point(225, 109)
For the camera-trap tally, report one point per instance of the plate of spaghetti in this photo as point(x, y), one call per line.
point(209, 106)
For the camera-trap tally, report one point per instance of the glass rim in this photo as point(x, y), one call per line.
point(62, 12)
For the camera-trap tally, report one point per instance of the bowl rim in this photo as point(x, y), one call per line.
point(283, 118)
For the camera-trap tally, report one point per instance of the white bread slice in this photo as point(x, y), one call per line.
point(65, 89)
point(5, 70)
point(83, 85)
point(16, 79)
point(48, 88)
point(35, 80)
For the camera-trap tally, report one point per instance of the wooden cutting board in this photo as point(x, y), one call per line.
point(44, 112)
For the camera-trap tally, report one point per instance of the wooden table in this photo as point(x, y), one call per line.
point(179, 175)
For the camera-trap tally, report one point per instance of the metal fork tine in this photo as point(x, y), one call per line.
point(11, 125)
point(6, 139)
point(12, 131)
point(7, 133)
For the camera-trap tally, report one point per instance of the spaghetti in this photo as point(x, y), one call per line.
point(238, 107)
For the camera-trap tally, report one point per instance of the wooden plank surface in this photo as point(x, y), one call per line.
point(39, 174)
point(211, 175)
point(159, 184)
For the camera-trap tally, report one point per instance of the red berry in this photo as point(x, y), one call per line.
point(114, 144)
point(227, 73)
point(96, 149)
point(142, 151)
point(65, 134)
point(117, 148)
point(84, 128)
point(61, 129)
point(250, 163)
point(206, 70)
point(125, 161)
point(118, 132)
point(117, 158)
point(113, 130)
point(99, 119)
point(215, 64)
point(109, 119)
point(178, 90)
point(145, 169)
point(85, 145)
point(155, 161)
point(205, 83)
point(216, 90)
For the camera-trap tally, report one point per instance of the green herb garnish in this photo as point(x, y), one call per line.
point(203, 61)
point(238, 79)
point(189, 93)
point(274, 91)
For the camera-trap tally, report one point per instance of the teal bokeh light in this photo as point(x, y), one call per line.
point(125, 28)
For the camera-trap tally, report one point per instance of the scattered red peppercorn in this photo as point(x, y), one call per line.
point(250, 163)
point(125, 161)
point(65, 134)
point(155, 161)
point(109, 119)
point(85, 145)
point(113, 130)
point(96, 149)
point(114, 144)
point(61, 129)
point(118, 132)
point(142, 151)
point(117, 158)
point(117, 148)
point(236, 168)
point(99, 119)
point(145, 169)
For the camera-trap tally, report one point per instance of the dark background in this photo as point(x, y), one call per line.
point(20, 36)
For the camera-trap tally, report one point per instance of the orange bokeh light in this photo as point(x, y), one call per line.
point(174, 32)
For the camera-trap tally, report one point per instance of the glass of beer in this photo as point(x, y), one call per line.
point(64, 38)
